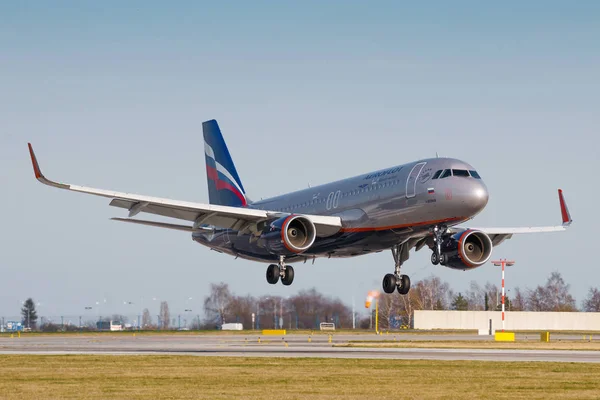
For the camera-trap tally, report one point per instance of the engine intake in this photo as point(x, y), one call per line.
point(467, 249)
point(293, 234)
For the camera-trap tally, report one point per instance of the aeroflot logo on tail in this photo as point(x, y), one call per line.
point(383, 173)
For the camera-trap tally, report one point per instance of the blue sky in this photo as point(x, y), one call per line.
point(113, 96)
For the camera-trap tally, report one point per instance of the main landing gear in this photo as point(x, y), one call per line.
point(275, 271)
point(396, 281)
point(436, 256)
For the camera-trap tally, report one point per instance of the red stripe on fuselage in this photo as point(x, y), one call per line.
point(385, 228)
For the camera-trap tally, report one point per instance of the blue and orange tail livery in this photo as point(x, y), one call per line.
point(224, 185)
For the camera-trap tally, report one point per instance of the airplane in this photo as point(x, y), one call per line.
point(405, 207)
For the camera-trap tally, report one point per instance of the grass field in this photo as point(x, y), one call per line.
point(188, 377)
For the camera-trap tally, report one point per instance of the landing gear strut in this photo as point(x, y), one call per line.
point(437, 257)
point(397, 281)
point(275, 271)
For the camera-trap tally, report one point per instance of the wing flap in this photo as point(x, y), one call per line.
point(177, 227)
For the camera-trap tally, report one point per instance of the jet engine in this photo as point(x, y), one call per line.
point(293, 234)
point(468, 249)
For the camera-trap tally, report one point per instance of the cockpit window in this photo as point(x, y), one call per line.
point(437, 174)
point(460, 172)
point(446, 173)
point(475, 175)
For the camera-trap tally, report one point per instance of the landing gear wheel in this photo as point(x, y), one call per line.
point(288, 276)
point(389, 283)
point(273, 274)
point(435, 258)
point(404, 284)
point(444, 259)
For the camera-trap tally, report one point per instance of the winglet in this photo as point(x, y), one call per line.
point(36, 166)
point(38, 172)
point(566, 216)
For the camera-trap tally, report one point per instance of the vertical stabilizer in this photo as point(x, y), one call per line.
point(224, 185)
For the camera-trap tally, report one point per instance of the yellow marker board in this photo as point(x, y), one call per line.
point(504, 337)
point(273, 332)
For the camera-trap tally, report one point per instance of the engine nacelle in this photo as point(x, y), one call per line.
point(466, 250)
point(293, 234)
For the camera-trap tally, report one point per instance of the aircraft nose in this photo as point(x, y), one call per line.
point(477, 197)
point(470, 197)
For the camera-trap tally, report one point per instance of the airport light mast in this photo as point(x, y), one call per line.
point(503, 263)
point(374, 294)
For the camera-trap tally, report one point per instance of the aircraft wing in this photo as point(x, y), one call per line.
point(499, 235)
point(240, 219)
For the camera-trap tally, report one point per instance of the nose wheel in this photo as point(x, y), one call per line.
point(438, 232)
point(397, 281)
point(276, 271)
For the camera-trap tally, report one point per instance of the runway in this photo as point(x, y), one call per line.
point(277, 346)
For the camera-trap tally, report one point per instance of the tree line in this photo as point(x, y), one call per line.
point(304, 310)
point(308, 308)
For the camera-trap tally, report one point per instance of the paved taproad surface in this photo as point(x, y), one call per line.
point(276, 346)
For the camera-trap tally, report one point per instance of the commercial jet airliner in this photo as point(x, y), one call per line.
point(409, 206)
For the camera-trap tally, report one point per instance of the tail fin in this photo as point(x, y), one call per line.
point(224, 185)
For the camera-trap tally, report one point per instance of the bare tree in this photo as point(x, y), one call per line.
point(592, 301)
point(519, 302)
point(475, 297)
point(554, 296)
point(557, 291)
point(388, 308)
point(146, 319)
point(119, 318)
point(165, 316)
point(241, 308)
point(408, 304)
point(537, 299)
point(216, 305)
point(431, 293)
point(310, 307)
point(493, 295)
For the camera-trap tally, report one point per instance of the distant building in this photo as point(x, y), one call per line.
point(109, 326)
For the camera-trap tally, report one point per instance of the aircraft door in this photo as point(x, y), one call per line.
point(411, 181)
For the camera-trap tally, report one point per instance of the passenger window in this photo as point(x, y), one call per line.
point(446, 173)
point(460, 172)
point(437, 174)
point(475, 175)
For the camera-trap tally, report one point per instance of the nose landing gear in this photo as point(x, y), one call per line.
point(396, 281)
point(438, 232)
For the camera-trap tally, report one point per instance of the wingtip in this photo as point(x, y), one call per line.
point(36, 166)
point(564, 210)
